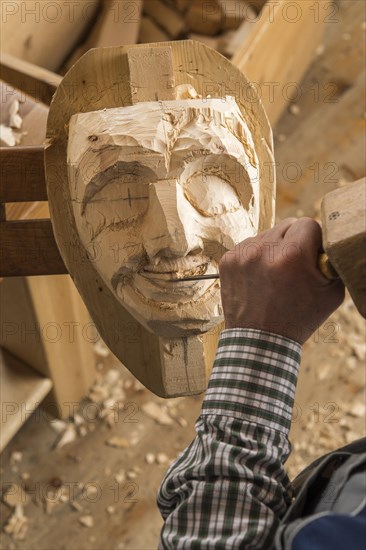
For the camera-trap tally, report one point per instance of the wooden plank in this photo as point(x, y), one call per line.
point(166, 17)
point(328, 146)
point(46, 325)
point(234, 12)
point(44, 33)
point(204, 17)
point(344, 237)
point(151, 74)
point(23, 301)
point(22, 176)
point(67, 335)
point(117, 24)
point(35, 81)
point(150, 32)
point(21, 392)
point(28, 247)
point(280, 50)
point(230, 42)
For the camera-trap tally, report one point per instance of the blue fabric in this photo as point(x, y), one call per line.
point(333, 532)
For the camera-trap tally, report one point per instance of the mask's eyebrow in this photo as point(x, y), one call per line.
point(125, 171)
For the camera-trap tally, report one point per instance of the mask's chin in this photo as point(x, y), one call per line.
point(186, 309)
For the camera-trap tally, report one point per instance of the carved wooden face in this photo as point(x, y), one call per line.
point(161, 191)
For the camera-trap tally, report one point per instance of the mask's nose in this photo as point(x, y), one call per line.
point(168, 225)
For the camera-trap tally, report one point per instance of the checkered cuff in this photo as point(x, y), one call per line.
point(254, 378)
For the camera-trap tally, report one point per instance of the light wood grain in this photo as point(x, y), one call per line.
point(344, 237)
point(276, 55)
point(44, 33)
point(29, 248)
point(31, 79)
point(206, 71)
point(21, 392)
point(22, 176)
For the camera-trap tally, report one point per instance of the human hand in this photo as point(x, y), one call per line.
point(271, 282)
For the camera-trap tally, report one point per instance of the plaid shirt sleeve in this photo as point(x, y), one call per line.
point(228, 489)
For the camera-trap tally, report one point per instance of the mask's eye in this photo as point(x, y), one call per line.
point(211, 195)
point(216, 185)
point(117, 205)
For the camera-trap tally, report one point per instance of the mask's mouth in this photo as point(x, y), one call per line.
point(157, 273)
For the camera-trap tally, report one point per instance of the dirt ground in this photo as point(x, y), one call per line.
point(98, 491)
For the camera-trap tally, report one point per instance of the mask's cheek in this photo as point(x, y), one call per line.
point(223, 233)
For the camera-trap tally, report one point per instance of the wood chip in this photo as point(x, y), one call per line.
point(150, 458)
point(67, 437)
point(87, 521)
point(17, 525)
point(101, 349)
point(7, 137)
point(182, 422)
point(15, 120)
point(82, 431)
point(59, 426)
point(295, 109)
point(120, 477)
point(358, 410)
point(15, 457)
point(155, 412)
point(162, 458)
point(168, 19)
point(78, 419)
point(110, 510)
point(118, 442)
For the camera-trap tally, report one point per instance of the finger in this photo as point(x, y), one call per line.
point(307, 234)
point(278, 231)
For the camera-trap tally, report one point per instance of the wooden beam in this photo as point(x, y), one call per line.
point(151, 74)
point(44, 33)
point(277, 53)
point(117, 24)
point(344, 237)
point(35, 81)
point(22, 176)
point(21, 391)
point(28, 247)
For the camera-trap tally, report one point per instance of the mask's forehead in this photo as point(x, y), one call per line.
point(155, 123)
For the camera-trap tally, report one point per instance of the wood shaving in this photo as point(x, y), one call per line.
point(118, 442)
point(15, 457)
point(162, 458)
point(15, 120)
point(7, 137)
point(150, 458)
point(182, 422)
point(101, 349)
point(67, 437)
point(59, 426)
point(155, 412)
point(358, 410)
point(86, 521)
point(17, 525)
point(295, 109)
point(120, 477)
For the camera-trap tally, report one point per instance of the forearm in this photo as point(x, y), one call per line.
point(228, 489)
